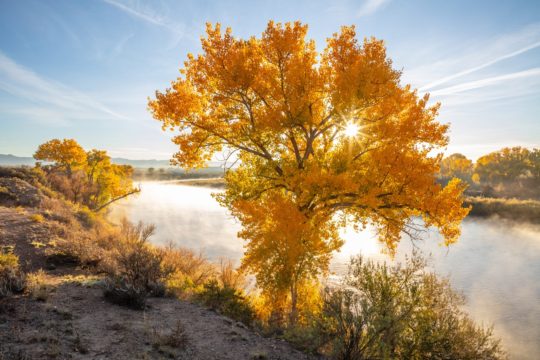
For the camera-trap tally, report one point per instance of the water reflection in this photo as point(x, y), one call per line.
point(495, 264)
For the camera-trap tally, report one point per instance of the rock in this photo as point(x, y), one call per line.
point(15, 192)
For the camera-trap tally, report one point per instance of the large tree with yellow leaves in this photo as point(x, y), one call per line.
point(331, 137)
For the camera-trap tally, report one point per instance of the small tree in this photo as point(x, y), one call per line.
point(85, 177)
point(67, 154)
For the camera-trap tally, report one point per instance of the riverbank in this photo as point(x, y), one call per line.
point(527, 211)
point(215, 183)
point(57, 260)
point(482, 207)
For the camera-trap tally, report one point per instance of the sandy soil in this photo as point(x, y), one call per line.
point(75, 322)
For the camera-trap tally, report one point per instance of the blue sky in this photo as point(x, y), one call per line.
point(84, 69)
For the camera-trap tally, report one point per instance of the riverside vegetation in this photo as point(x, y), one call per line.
point(321, 141)
point(504, 183)
point(400, 311)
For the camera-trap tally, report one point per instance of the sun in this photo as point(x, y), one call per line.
point(351, 130)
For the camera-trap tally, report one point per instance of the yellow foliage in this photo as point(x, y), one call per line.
point(67, 153)
point(37, 218)
point(284, 108)
point(85, 177)
point(508, 164)
point(456, 165)
point(271, 307)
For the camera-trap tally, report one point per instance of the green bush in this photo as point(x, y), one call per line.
point(227, 301)
point(400, 312)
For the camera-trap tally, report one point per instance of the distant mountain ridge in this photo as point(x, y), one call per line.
point(12, 160)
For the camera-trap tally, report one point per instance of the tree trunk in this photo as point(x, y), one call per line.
point(293, 316)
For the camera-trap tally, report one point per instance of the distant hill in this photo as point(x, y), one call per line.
point(12, 160)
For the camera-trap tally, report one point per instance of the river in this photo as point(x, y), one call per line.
point(496, 264)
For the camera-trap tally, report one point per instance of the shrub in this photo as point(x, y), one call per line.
point(12, 279)
point(400, 312)
point(135, 267)
point(176, 338)
point(58, 210)
point(86, 217)
point(227, 301)
point(228, 276)
point(38, 286)
point(189, 271)
point(75, 247)
point(120, 292)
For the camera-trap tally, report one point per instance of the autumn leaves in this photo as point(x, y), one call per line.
point(285, 109)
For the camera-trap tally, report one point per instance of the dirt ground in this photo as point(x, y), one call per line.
point(75, 322)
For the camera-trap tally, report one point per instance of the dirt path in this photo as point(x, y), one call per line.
point(76, 323)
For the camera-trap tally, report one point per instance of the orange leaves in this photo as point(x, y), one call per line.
point(284, 107)
point(443, 211)
point(284, 245)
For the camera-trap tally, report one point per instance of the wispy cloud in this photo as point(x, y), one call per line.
point(22, 82)
point(480, 67)
point(119, 47)
point(147, 15)
point(370, 6)
point(476, 84)
point(444, 64)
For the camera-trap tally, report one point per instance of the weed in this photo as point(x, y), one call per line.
point(38, 218)
point(38, 286)
point(12, 279)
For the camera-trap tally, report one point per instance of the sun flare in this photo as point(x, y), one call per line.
point(351, 130)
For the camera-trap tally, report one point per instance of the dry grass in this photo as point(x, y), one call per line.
point(38, 218)
point(217, 183)
point(176, 337)
point(39, 285)
point(12, 279)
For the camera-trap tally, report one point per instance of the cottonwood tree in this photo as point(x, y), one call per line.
point(334, 136)
point(457, 165)
point(66, 154)
point(505, 165)
point(85, 177)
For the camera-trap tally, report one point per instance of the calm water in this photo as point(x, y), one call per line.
point(495, 264)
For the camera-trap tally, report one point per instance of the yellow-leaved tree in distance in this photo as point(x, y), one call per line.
point(291, 114)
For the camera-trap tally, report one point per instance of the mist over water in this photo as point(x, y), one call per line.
point(496, 264)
